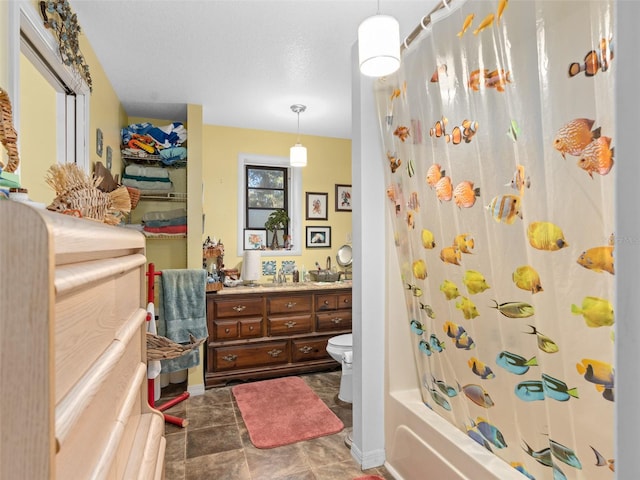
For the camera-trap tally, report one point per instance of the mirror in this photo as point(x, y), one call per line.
point(344, 256)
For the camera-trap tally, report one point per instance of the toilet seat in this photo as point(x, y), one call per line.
point(345, 340)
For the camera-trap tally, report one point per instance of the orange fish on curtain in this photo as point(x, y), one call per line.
point(597, 157)
point(594, 61)
point(434, 174)
point(402, 132)
point(465, 132)
point(440, 70)
point(497, 79)
point(573, 137)
point(464, 195)
point(394, 162)
point(444, 189)
point(598, 259)
point(439, 128)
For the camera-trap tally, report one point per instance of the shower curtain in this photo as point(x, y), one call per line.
point(498, 135)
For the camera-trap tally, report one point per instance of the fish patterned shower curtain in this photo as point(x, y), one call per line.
point(498, 137)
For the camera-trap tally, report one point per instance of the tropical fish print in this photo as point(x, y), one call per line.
point(475, 282)
point(464, 242)
point(425, 348)
point(497, 79)
point(419, 269)
point(527, 278)
point(437, 345)
point(514, 309)
point(514, 363)
point(465, 132)
point(597, 157)
point(544, 343)
point(607, 393)
point(411, 168)
point(464, 342)
point(449, 289)
point(597, 312)
point(487, 22)
point(476, 78)
point(453, 330)
point(594, 61)
point(542, 456)
point(415, 290)
point(428, 310)
point(501, 7)
point(440, 399)
point(411, 219)
point(397, 92)
point(478, 395)
point(573, 137)
point(520, 467)
point(402, 132)
point(474, 433)
point(416, 327)
point(505, 208)
point(464, 195)
point(427, 238)
point(444, 189)
point(598, 259)
point(466, 25)
point(394, 162)
point(530, 391)
point(447, 390)
point(480, 369)
point(413, 203)
point(468, 308)
point(491, 433)
point(434, 174)
point(595, 371)
point(451, 255)
point(514, 131)
point(520, 181)
point(440, 70)
point(439, 128)
point(601, 461)
point(557, 389)
point(546, 236)
point(565, 454)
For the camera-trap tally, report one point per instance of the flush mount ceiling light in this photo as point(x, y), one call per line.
point(298, 153)
point(379, 45)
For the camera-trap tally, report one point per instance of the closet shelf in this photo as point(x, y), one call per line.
point(165, 197)
point(151, 160)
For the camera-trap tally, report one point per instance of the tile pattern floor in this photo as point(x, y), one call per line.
point(216, 446)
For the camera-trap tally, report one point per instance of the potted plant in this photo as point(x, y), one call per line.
point(277, 220)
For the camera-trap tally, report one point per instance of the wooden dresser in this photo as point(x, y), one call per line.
point(73, 351)
point(263, 332)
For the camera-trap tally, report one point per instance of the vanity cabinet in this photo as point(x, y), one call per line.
point(263, 334)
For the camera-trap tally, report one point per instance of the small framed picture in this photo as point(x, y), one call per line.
point(109, 158)
point(255, 239)
point(318, 237)
point(99, 142)
point(317, 206)
point(343, 198)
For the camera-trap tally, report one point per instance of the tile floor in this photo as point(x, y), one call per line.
point(216, 446)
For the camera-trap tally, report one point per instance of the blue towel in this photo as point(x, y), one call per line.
point(183, 312)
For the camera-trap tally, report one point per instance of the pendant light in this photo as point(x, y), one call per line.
point(298, 153)
point(379, 45)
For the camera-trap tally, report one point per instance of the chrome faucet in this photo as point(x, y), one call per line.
point(328, 263)
point(281, 278)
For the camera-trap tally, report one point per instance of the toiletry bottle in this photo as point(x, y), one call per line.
point(296, 275)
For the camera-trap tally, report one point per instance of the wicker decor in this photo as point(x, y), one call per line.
point(8, 134)
point(161, 348)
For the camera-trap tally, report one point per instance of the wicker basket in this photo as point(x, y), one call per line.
point(161, 348)
point(134, 193)
point(8, 134)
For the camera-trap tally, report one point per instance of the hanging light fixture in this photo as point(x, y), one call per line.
point(379, 45)
point(298, 153)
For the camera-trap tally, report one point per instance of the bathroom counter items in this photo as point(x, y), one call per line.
point(285, 287)
point(263, 332)
point(73, 343)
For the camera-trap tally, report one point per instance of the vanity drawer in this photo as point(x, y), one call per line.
point(326, 302)
point(309, 349)
point(247, 356)
point(250, 327)
point(225, 329)
point(290, 325)
point(344, 300)
point(338, 320)
point(292, 304)
point(238, 307)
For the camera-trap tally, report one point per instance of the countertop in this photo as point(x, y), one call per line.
point(284, 287)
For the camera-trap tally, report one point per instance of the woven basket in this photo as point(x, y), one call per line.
point(134, 194)
point(161, 348)
point(8, 134)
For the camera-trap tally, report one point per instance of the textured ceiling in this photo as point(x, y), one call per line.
point(246, 62)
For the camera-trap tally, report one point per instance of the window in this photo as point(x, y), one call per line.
point(267, 184)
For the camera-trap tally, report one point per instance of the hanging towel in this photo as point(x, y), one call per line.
point(183, 312)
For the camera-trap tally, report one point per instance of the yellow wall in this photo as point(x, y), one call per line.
point(329, 163)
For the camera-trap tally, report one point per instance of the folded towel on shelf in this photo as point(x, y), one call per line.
point(164, 215)
point(143, 185)
point(142, 178)
point(166, 223)
point(183, 312)
point(170, 229)
point(143, 171)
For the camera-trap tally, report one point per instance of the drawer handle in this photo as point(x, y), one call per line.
point(306, 349)
point(239, 308)
point(275, 352)
point(336, 320)
point(326, 302)
point(251, 328)
point(291, 304)
point(290, 324)
point(346, 300)
point(227, 330)
point(230, 358)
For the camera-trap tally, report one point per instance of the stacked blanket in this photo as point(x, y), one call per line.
point(143, 139)
point(171, 222)
point(149, 180)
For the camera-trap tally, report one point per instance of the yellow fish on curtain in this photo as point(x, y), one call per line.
point(531, 208)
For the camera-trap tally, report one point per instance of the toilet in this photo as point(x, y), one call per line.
point(341, 350)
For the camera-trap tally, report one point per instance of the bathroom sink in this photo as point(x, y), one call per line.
point(324, 276)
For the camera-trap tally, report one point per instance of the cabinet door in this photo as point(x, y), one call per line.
point(309, 349)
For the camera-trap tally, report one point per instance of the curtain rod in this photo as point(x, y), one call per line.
point(424, 23)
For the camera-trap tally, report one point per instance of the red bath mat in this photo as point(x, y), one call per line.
point(369, 477)
point(283, 411)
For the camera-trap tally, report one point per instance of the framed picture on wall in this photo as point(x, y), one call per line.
point(255, 239)
point(343, 198)
point(318, 237)
point(317, 206)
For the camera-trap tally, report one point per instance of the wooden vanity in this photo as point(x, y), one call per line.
point(264, 332)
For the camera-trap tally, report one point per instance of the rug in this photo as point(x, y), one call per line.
point(369, 477)
point(283, 411)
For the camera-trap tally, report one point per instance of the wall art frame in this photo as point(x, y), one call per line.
point(343, 198)
point(318, 237)
point(316, 206)
point(254, 239)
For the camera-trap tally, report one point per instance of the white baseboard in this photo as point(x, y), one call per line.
point(195, 390)
point(368, 460)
